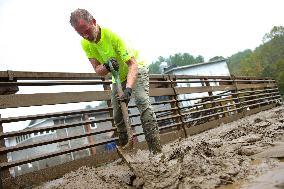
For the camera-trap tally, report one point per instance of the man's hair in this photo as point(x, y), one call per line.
point(79, 14)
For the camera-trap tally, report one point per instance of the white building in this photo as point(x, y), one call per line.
point(213, 68)
point(55, 134)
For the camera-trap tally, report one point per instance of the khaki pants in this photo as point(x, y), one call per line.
point(148, 117)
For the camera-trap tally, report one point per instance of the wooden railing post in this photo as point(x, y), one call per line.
point(235, 95)
point(91, 139)
point(3, 158)
point(107, 87)
point(278, 93)
point(5, 90)
point(203, 84)
point(267, 91)
point(210, 93)
point(250, 93)
point(176, 105)
point(254, 96)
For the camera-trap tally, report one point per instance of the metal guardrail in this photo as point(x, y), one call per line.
point(233, 96)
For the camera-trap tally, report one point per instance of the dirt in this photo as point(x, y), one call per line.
point(208, 160)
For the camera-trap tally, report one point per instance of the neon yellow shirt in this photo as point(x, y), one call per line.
point(112, 46)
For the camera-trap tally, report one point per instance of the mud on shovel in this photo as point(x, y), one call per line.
point(126, 149)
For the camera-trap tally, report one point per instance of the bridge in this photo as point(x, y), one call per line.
point(185, 105)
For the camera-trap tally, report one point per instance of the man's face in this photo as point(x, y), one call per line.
point(86, 30)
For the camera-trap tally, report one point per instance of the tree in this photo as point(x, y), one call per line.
point(179, 59)
point(216, 58)
point(234, 61)
point(154, 68)
point(267, 60)
point(199, 59)
point(276, 31)
point(280, 75)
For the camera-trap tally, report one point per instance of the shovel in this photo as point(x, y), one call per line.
point(128, 148)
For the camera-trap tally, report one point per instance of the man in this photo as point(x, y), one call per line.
point(101, 45)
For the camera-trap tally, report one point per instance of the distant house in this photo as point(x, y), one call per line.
point(213, 68)
point(59, 133)
point(54, 134)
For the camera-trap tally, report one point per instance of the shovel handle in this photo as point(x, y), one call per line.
point(123, 105)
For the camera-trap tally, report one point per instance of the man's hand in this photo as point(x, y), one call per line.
point(114, 63)
point(125, 97)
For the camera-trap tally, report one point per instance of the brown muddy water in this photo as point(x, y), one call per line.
point(226, 157)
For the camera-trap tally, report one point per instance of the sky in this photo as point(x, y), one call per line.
point(35, 35)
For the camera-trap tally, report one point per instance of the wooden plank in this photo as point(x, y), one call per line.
point(20, 75)
point(3, 159)
point(53, 127)
point(5, 150)
point(39, 99)
point(257, 91)
point(161, 91)
point(188, 90)
point(251, 77)
point(54, 83)
point(199, 77)
point(255, 80)
point(189, 81)
point(24, 75)
point(54, 114)
point(168, 117)
point(8, 165)
point(156, 76)
point(255, 86)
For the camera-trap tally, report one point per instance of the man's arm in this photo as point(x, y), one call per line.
point(132, 72)
point(99, 68)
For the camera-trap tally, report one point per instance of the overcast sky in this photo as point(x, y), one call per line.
point(35, 35)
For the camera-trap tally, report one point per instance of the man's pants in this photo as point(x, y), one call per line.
point(148, 117)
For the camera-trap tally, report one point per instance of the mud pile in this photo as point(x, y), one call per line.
point(213, 158)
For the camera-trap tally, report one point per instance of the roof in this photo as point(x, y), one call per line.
point(173, 68)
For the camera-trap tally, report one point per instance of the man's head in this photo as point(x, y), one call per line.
point(85, 24)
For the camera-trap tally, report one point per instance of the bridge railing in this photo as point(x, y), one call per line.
point(184, 105)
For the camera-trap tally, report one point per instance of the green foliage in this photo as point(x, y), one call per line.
point(267, 60)
point(279, 76)
point(154, 68)
point(276, 31)
point(235, 60)
point(215, 58)
point(178, 59)
point(199, 59)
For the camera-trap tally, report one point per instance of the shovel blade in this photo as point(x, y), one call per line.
point(125, 154)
